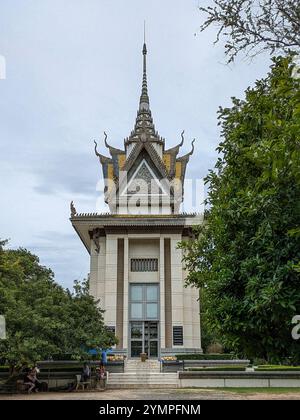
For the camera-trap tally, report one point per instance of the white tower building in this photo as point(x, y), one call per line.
point(136, 267)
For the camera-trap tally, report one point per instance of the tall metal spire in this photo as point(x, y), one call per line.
point(144, 100)
point(144, 129)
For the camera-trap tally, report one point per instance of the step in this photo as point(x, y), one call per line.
point(143, 367)
point(138, 362)
point(142, 382)
point(138, 386)
point(142, 379)
point(143, 375)
point(137, 380)
point(157, 376)
point(138, 366)
point(142, 370)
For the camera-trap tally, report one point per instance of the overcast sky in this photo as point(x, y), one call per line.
point(73, 70)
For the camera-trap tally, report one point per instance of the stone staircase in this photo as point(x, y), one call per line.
point(146, 375)
point(138, 366)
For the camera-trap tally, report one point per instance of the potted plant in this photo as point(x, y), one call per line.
point(143, 357)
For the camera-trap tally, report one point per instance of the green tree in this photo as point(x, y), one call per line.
point(208, 335)
point(42, 318)
point(247, 252)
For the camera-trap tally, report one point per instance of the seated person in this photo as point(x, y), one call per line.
point(30, 381)
point(86, 373)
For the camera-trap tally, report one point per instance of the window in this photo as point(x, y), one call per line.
point(137, 330)
point(136, 348)
point(144, 302)
point(177, 336)
point(143, 265)
point(152, 311)
point(152, 294)
point(136, 293)
point(111, 330)
point(137, 311)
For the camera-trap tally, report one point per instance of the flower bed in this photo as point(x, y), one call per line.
point(115, 358)
point(169, 359)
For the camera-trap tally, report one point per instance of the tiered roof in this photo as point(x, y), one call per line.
point(143, 138)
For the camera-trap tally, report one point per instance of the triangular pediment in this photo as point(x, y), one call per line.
point(144, 182)
point(147, 150)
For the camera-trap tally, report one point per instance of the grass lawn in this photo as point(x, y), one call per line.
point(261, 390)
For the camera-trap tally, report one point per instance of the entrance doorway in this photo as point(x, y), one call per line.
point(144, 320)
point(144, 339)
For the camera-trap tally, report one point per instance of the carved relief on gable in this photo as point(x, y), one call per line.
point(142, 182)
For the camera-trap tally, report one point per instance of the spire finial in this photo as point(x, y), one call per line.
point(144, 101)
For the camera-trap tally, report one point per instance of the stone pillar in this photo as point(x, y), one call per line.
point(177, 284)
point(101, 273)
point(168, 293)
point(120, 294)
point(110, 314)
point(93, 270)
point(162, 293)
point(126, 290)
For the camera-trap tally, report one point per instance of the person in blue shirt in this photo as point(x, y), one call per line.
point(104, 357)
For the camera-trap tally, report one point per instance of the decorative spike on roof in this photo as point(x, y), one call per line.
point(144, 129)
point(144, 100)
point(112, 150)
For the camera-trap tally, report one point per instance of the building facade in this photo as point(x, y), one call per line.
point(136, 266)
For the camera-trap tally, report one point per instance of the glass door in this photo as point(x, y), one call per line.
point(144, 339)
point(144, 320)
point(137, 338)
point(151, 339)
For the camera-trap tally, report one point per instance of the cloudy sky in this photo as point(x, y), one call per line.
point(73, 70)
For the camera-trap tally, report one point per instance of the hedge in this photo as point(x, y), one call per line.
point(218, 369)
point(271, 368)
point(206, 357)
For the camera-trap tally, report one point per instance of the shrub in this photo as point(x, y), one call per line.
point(206, 357)
point(273, 368)
point(218, 369)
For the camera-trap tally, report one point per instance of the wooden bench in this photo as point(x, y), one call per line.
point(82, 384)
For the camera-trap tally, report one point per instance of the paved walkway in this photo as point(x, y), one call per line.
point(157, 394)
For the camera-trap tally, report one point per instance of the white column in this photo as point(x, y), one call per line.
point(101, 273)
point(110, 315)
point(93, 271)
point(162, 293)
point(177, 282)
point(126, 287)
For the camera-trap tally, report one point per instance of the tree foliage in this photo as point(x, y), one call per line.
point(42, 318)
point(209, 336)
point(253, 26)
point(247, 253)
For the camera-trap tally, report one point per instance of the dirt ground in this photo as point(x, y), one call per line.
point(158, 394)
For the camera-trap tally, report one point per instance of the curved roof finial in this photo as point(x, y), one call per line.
point(96, 151)
point(193, 147)
point(105, 140)
point(182, 136)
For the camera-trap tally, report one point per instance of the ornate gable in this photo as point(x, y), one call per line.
point(144, 162)
point(144, 182)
